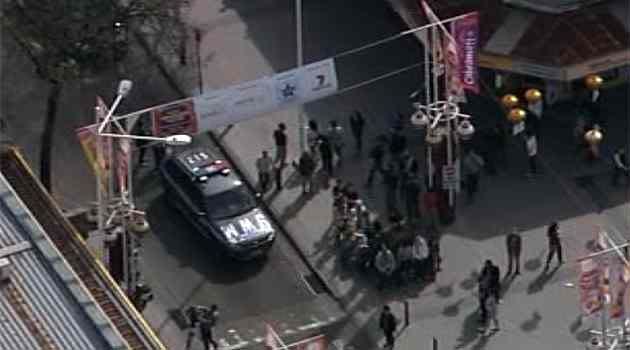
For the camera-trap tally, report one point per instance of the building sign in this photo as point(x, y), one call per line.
point(178, 118)
point(466, 34)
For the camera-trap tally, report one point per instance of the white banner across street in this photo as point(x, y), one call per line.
point(247, 100)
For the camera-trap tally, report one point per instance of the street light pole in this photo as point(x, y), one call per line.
point(300, 62)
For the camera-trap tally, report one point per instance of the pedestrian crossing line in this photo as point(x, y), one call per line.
point(235, 340)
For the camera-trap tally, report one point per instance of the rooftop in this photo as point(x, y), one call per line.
point(561, 45)
point(57, 295)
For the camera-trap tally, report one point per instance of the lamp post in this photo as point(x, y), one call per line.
point(117, 213)
point(300, 62)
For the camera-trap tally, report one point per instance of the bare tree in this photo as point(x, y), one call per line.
point(73, 39)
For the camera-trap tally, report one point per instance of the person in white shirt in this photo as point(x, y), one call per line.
point(385, 264)
point(532, 151)
point(420, 253)
point(620, 166)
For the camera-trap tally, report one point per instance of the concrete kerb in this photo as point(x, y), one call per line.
point(233, 159)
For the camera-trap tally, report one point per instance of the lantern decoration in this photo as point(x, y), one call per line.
point(533, 95)
point(593, 81)
point(419, 119)
point(465, 129)
point(433, 137)
point(594, 136)
point(509, 101)
point(139, 224)
point(517, 115)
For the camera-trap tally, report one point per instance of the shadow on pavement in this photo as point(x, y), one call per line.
point(471, 281)
point(470, 330)
point(539, 283)
point(532, 323)
point(453, 309)
point(534, 264)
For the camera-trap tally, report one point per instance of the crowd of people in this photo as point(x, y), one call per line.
point(395, 254)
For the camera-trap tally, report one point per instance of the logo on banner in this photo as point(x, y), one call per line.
point(286, 86)
point(466, 34)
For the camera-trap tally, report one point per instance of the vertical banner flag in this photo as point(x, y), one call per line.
point(466, 34)
point(590, 283)
point(123, 159)
point(87, 138)
point(618, 288)
point(448, 47)
point(178, 118)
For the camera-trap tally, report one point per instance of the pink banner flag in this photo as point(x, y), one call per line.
point(466, 34)
point(590, 286)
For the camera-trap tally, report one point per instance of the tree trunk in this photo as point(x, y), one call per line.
point(45, 153)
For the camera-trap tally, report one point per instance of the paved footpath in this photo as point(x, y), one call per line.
point(539, 311)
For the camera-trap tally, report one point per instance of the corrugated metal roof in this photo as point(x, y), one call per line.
point(40, 306)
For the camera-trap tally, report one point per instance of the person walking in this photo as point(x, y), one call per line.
point(472, 165)
point(325, 151)
point(531, 143)
point(483, 291)
point(280, 140)
point(357, 124)
point(620, 166)
point(555, 246)
point(387, 323)
point(306, 168)
point(335, 136)
point(207, 321)
point(385, 264)
point(377, 153)
point(312, 138)
point(514, 245)
point(412, 191)
point(397, 143)
point(492, 306)
point(493, 274)
point(264, 166)
point(193, 314)
point(391, 185)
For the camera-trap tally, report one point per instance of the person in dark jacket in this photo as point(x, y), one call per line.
point(514, 245)
point(412, 190)
point(377, 153)
point(387, 323)
point(325, 151)
point(391, 181)
point(207, 321)
point(555, 247)
point(492, 272)
point(306, 168)
point(357, 124)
